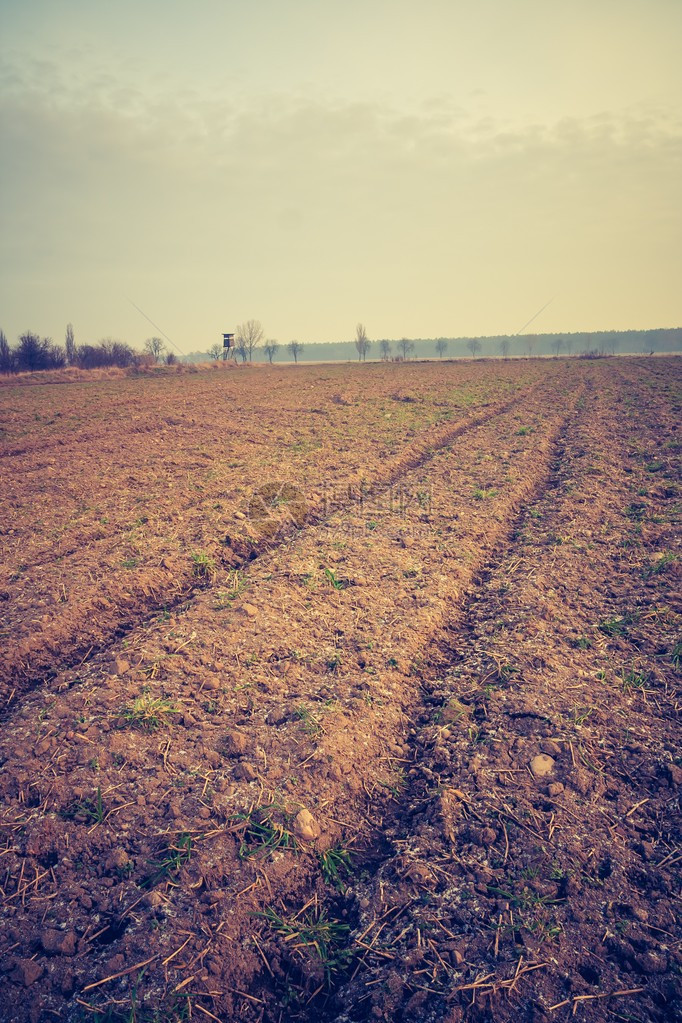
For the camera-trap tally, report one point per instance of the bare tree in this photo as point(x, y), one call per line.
point(474, 346)
point(441, 347)
point(155, 347)
point(504, 347)
point(362, 342)
point(29, 353)
point(115, 353)
point(34, 352)
point(295, 348)
point(250, 335)
point(385, 347)
point(70, 345)
point(107, 352)
point(271, 348)
point(405, 347)
point(240, 349)
point(6, 354)
point(530, 344)
point(215, 351)
point(557, 345)
point(569, 345)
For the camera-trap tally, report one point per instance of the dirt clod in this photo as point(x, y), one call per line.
point(27, 972)
point(236, 743)
point(56, 942)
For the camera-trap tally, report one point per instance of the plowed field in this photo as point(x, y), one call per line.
point(343, 694)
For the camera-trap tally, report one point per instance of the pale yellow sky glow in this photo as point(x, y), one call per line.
point(432, 169)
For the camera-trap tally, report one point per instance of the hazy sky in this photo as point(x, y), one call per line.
point(429, 167)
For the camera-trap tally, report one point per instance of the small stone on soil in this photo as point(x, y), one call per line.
point(305, 826)
point(542, 765)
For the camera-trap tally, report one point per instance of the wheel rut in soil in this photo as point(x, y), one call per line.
point(382, 856)
point(109, 617)
point(483, 885)
point(253, 719)
point(496, 891)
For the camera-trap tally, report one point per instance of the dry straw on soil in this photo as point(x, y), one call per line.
point(343, 694)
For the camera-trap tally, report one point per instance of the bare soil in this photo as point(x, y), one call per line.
point(344, 694)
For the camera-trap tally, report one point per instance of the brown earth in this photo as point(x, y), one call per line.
point(381, 722)
point(113, 489)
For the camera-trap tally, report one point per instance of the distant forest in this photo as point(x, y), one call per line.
point(609, 342)
point(32, 352)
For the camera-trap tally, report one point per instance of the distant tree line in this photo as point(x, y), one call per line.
point(32, 352)
point(580, 344)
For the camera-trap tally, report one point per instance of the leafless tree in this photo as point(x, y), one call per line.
point(215, 351)
point(295, 348)
point(405, 347)
point(70, 345)
point(6, 354)
point(34, 352)
point(240, 349)
point(441, 347)
point(385, 347)
point(155, 347)
point(362, 342)
point(557, 345)
point(271, 348)
point(250, 335)
point(504, 347)
point(114, 353)
point(474, 346)
point(530, 344)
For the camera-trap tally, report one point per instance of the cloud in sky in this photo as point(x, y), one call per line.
point(435, 216)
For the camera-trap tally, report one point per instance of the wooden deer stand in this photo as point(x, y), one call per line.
point(228, 343)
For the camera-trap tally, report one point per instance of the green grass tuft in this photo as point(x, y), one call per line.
point(149, 712)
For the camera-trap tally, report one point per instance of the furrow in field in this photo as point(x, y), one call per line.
point(525, 864)
point(175, 468)
point(291, 687)
point(77, 613)
point(206, 445)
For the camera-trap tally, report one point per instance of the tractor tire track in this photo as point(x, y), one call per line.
point(380, 850)
point(58, 644)
point(394, 597)
point(478, 861)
